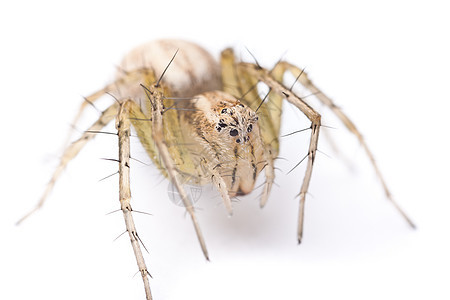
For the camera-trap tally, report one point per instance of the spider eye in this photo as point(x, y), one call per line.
point(250, 128)
point(233, 132)
point(241, 105)
point(238, 141)
point(224, 111)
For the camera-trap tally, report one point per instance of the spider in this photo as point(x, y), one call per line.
point(203, 122)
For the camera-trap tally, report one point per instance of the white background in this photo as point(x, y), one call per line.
point(386, 64)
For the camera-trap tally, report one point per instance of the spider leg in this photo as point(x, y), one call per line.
point(269, 170)
point(219, 183)
point(156, 96)
point(72, 150)
point(123, 131)
point(306, 82)
point(243, 86)
point(127, 79)
point(150, 132)
point(315, 118)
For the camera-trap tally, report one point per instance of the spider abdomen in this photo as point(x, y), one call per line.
point(194, 70)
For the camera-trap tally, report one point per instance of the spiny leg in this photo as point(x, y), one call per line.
point(219, 183)
point(123, 131)
point(242, 86)
point(156, 96)
point(72, 150)
point(269, 113)
point(127, 79)
point(302, 77)
point(269, 170)
point(315, 118)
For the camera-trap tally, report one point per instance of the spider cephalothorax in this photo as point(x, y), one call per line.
point(222, 134)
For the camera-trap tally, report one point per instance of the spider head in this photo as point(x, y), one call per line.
point(220, 118)
point(236, 121)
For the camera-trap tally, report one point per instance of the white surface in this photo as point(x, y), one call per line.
point(385, 64)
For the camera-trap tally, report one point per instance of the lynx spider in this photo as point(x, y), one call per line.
point(202, 122)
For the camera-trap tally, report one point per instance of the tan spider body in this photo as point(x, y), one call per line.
point(202, 122)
